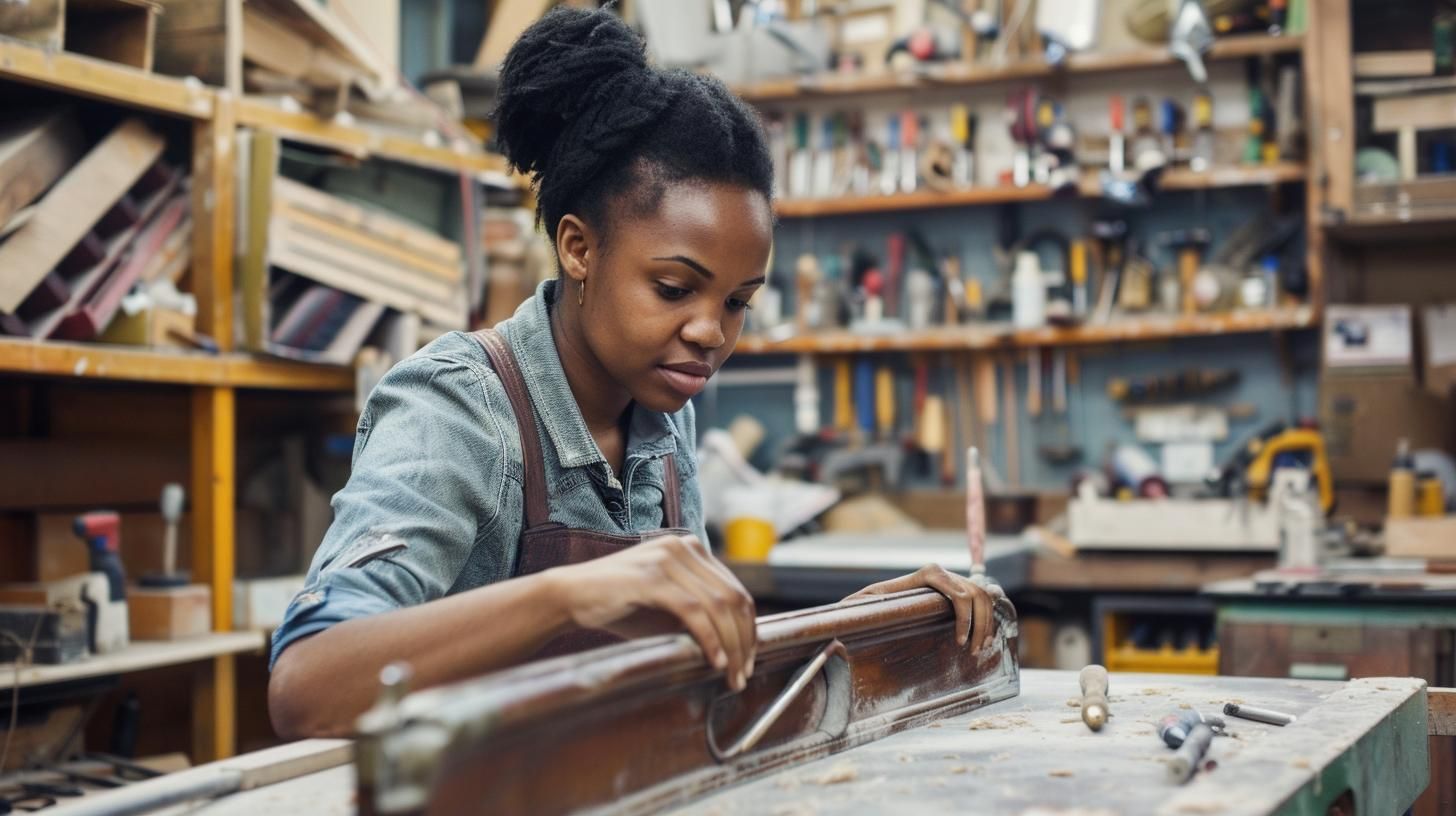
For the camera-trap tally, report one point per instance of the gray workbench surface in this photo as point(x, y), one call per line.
point(826, 567)
point(1032, 755)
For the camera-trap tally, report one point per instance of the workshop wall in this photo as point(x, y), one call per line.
point(1280, 384)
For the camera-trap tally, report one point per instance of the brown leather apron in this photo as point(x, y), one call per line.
point(544, 543)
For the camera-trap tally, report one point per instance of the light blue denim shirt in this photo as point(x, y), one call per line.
point(434, 502)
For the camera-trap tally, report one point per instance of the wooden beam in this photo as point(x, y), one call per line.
point(42, 22)
point(1441, 703)
point(507, 20)
point(35, 150)
point(214, 201)
point(1329, 88)
point(1385, 64)
point(74, 206)
point(262, 169)
point(121, 364)
point(1420, 111)
point(98, 79)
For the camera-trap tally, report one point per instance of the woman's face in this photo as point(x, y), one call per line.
point(665, 302)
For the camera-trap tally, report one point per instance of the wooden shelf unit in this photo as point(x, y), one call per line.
point(105, 81)
point(212, 380)
point(140, 655)
point(362, 142)
point(992, 338)
point(960, 75)
point(1180, 178)
point(104, 362)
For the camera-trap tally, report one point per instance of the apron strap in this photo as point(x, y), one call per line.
point(503, 360)
point(671, 500)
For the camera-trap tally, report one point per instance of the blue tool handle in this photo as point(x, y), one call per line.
point(864, 395)
point(109, 562)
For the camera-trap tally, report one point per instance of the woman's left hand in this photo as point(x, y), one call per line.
point(972, 601)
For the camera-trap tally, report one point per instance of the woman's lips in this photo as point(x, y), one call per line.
point(686, 379)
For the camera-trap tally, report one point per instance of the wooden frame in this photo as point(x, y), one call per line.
point(646, 724)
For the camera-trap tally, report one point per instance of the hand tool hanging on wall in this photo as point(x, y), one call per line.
point(909, 144)
point(864, 397)
point(801, 162)
point(1023, 105)
point(963, 135)
point(890, 157)
point(1012, 439)
point(843, 396)
point(895, 258)
point(1203, 138)
point(806, 397)
point(1033, 382)
point(885, 403)
point(1116, 140)
point(953, 289)
point(823, 177)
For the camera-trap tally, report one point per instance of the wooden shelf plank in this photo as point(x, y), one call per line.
point(103, 80)
point(1174, 179)
point(973, 338)
point(362, 142)
point(959, 75)
point(103, 362)
point(139, 656)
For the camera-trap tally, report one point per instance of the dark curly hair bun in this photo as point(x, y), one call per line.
point(581, 110)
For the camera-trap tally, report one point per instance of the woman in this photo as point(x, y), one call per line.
point(500, 481)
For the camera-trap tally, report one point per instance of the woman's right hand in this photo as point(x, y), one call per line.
point(663, 585)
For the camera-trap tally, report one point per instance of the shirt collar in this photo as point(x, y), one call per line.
point(529, 333)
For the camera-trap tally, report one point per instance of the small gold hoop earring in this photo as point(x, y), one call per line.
point(580, 293)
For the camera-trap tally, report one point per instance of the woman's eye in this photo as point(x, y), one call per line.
point(671, 292)
point(736, 305)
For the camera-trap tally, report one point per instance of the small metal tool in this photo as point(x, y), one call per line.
point(1262, 715)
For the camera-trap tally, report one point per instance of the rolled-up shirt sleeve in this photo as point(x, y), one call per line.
point(431, 481)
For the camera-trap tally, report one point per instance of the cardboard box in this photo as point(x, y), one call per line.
point(1438, 349)
point(169, 614)
point(1368, 337)
point(1365, 415)
point(1433, 538)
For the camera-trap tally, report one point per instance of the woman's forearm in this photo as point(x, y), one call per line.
point(322, 683)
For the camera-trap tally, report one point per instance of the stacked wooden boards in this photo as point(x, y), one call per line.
point(321, 276)
point(81, 227)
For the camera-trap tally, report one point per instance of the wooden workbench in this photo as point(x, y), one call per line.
point(1031, 754)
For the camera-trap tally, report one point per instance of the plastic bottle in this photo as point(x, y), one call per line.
point(1402, 498)
point(1028, 292)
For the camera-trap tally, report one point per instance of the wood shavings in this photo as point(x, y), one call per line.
point(935, 725)
point(1301, 763)
point(905, 759)
point(795, 809)
point(950, 756)
point(1201, 807)
point(958, 769)
point(999, 722)
point(1185, 706)
point(1001, 757)
point(1061, 773)
point(787, 783)
point(1074, 704)
point(841, 773)
point(1070, 720)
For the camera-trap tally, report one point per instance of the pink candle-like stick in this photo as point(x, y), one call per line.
point(975, 512)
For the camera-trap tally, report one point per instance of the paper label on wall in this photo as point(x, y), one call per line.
point(1187, 462)
point(1182, 423)
point(1440, 324)
point(1367, 336)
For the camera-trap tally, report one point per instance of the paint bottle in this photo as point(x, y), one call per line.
point(1402, 498)
point(1028, 292)
point(1430, 494)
